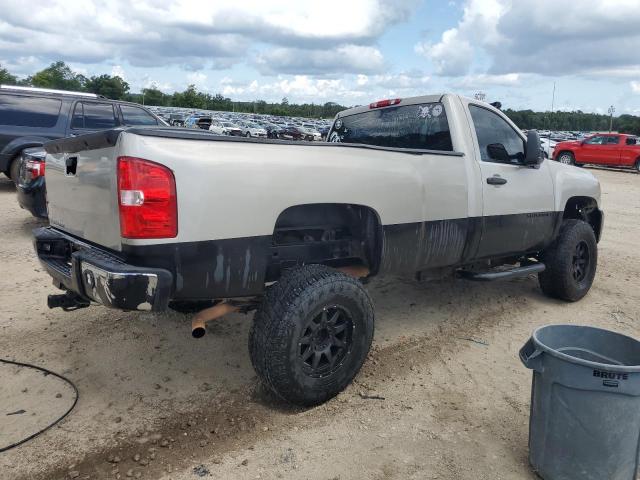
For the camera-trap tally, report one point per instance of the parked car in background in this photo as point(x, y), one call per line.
point(232, 129)
point(548, 146)
point(202, 122)
point(30, 188)
point(273, 130)
point(310, 133)
point(608, 149)
point(176, 119)
point(250, 129)
point(217, 128)
point(30, 117)
point(291, 132)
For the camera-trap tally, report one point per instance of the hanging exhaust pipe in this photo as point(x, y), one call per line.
point(198, 324)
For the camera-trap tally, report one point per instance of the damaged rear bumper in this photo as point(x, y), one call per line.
point(100, 276)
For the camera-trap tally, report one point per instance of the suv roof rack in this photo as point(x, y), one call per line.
point(50, 90)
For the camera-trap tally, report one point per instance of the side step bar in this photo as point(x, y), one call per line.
point(504, 274)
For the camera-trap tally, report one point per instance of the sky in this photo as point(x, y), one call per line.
point(346, 51)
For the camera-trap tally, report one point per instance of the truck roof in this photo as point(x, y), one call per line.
point(398, 101)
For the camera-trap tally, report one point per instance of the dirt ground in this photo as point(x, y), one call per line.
point(442, 396)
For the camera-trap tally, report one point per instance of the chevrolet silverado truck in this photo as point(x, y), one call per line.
point(157, 218)
point(608, 149)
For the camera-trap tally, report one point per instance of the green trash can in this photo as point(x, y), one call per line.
point(585, 403)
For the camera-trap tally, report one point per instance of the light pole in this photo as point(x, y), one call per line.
point(611, 112)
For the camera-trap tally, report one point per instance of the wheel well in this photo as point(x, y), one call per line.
point(585, 208)
point(333, 234)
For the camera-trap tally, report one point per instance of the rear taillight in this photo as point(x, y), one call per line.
point(34, 169)
point(146, 199)
point(385, 103)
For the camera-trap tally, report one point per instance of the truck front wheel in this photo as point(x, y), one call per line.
point(570, 262)
point(311, 334)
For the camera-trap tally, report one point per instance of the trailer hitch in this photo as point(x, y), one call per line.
point(67, 301)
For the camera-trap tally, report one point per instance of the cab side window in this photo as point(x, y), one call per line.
point(613, 140)
point(498, 141)
point(597, 140)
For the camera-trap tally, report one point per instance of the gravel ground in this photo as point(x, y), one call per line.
point(442, 396)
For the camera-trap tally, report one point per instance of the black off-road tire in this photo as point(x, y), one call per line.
point(14, 169)
point(294, 320)
point(637, 166)
point(570, 262)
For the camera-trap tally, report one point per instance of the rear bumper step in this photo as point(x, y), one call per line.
point(99, 276)
point(503, 274)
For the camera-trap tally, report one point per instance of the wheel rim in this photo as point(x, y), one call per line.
point(580, 264)
point(566, 159)
point(326, 341)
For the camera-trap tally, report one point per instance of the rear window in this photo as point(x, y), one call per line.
point(422, 126)
point(27, 111)
point(136, 116)
point(93, 116)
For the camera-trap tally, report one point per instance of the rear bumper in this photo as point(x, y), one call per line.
point(99, 276)
point(32, 197)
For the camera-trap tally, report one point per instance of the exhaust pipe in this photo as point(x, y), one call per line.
point(198, 324)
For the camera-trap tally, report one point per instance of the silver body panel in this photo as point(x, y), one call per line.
point(238, 189)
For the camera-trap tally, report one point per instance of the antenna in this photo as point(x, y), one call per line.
point(553, 101)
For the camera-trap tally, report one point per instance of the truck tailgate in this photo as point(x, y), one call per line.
point(82, 187)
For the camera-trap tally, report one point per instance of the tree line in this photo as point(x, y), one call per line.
point(59, 75)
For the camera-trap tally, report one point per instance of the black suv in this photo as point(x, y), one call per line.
point(30, 117)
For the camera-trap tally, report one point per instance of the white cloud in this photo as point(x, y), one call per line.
point(341, 59)
point(635, 86)
point(197, 78)
point(193, 33)
point(118, 71)
point(454, 54)
point(548, 37)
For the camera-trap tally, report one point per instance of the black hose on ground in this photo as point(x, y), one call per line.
point(59, 419)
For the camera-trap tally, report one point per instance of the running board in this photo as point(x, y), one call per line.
point(502, 275)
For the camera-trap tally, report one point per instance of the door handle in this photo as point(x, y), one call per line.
point(71, 164)
point(496, 180)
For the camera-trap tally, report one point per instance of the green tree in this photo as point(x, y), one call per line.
point(153, 96)
point(58, 75)
point(190, 98)
point(6, 78)
point(111, 87)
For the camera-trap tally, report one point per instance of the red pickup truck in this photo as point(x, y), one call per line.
point(610, 149)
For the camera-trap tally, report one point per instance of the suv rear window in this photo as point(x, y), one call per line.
point(423, 126)
point(93, 116)
point(136, 116)
point(25, 111)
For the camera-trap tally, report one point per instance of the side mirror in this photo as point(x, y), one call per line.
point(533, 154)
point(498, 151)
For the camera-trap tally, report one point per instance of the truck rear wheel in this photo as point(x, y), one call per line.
point(311, 334)
point(570, 262)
